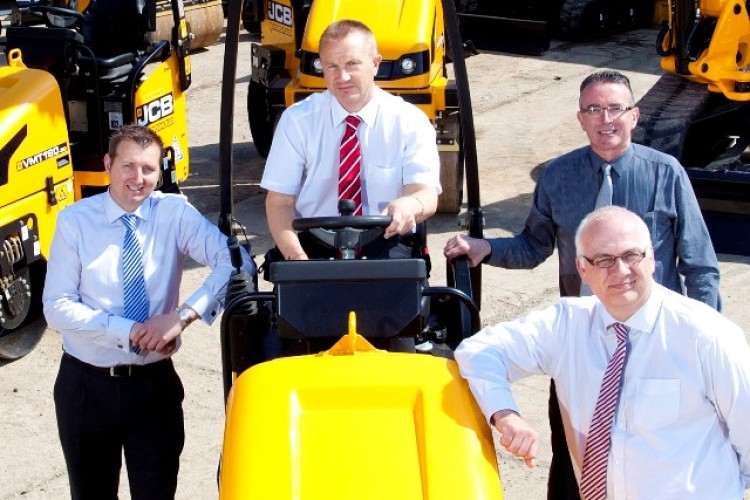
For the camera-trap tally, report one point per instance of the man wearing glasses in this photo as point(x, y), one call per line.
point(655, 386)
point(610, 170)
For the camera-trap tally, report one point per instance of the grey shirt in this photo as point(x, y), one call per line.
point(650, 183)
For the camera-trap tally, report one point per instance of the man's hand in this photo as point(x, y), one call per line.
point(518, 437)
point(476, 249)
point(403, 214)
point(418, 203)
point(157, 334)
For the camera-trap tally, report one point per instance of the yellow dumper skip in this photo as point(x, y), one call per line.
point(356, 423)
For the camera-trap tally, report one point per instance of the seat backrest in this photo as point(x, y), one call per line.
point(49, 49)
point(314, 298)
point(114, 27)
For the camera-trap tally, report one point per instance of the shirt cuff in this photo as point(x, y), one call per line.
point(493, 398)
point(120, 332)
point(207, 306)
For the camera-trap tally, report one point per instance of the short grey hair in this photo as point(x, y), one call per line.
point(338, 30)
point(609, 213)
point(607, 76)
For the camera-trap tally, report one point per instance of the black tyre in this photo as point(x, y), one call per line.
point(261, 117)
point(19, 335)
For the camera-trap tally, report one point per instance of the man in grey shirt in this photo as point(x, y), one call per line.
point(645, 181)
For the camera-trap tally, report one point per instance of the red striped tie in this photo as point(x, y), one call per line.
point(594, 473)
point(350, 158)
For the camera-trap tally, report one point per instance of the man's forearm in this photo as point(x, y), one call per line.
point(425, 200)
point(280, 213)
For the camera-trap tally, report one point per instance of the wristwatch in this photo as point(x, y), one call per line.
point(186, 315)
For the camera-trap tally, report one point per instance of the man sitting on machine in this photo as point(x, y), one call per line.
point(355, 142)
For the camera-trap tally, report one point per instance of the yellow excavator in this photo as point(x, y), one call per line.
point(65, 84)
point(699, 111)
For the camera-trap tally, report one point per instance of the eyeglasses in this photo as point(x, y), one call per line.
point(614, 110)
point(607, 261)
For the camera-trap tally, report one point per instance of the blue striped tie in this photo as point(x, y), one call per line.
point(134, 285)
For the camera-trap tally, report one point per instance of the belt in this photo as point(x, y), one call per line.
point(122, 370)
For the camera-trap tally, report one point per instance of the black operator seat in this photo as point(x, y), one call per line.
point(51, 49)
point(116, 32)
point(314, 298)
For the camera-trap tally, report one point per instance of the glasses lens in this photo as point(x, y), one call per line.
point(614, 111)
point(593, 110)
point(604, 262)
point(632, 257)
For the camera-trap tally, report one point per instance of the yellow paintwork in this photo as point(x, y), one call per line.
point(162, 82)
point(726, 60)
point(43, 149)
point(400, 26)
point(37, 149)
point(356, 423)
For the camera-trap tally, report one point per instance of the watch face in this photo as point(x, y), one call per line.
point(184, 315)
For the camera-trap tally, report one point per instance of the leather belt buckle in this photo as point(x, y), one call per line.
point(121, 370)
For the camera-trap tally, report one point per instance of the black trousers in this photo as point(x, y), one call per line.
point(99, 416)
point(562, 484)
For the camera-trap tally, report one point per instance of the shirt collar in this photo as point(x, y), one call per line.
point(618, 165)
point(644, 319)
point(113, 211)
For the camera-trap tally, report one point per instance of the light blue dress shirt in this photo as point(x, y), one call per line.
point(83, 294)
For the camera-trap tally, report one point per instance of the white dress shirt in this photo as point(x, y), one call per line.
point(397, 142)
point(83, 293)
point(681, 426)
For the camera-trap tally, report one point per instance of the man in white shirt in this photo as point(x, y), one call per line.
point(678, 427)
point(117, 389)
point(400, 166)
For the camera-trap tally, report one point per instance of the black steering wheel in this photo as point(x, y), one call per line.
point(345, 233)
point(58, 17)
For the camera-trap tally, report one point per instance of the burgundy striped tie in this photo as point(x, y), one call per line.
point(350, 159)
point(594, 474)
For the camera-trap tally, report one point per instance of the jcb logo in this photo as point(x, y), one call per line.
point(155, 110)
point(280, 13)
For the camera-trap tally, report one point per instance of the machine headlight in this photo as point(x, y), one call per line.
point(408, 65)
point(318, 66)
